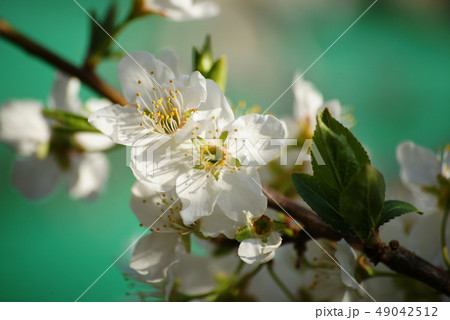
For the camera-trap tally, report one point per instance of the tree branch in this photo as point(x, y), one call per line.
point(394, 256)
point(85, 75)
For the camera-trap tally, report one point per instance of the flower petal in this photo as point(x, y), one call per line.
point(255, 139)
point(64, 94)
point(347, 260)
point(198, 192)
point(219, 223)
point(155, 253)
point(254, 250)
point(307, 102)
point(92, 142)
point(151, 207)
point(87, 175)
point(36, 178)
point(120, 124)
point(139, 73)
point(237, 189)
point(23, 127)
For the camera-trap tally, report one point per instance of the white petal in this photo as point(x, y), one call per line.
point(219, 223)
point(150, 207)
point(183, 10)
point(91, 141)
point(253, 251)
point(250, 138)
point(87, 175)
point(36, 178)
point(198, 192)
point(242, 190)
point(172, 59)
point(347, 259)
point(196, 275)
point(139, 67)
point(307, 101)
point(64, 94)
point(155, 253)
point(23, 127)
point(419, 167)
point(334, 107)
point(94, 104)
point(193, 89)
point(120, 124)
point(215, 99)
point(160, 162)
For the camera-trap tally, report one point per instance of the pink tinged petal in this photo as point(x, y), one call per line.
point(120, 124)
point(139, 73)
point(308, 100)
point(237, 189)
point(256, 139)
point(36, 178)
point(23, 127)
point(155, 253)
point(64, 94)
point(198, 192)
point(87, 175)
point(92, 142)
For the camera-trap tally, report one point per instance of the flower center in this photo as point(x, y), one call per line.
point(163, 109)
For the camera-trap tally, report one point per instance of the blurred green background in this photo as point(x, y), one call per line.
point(391, 68)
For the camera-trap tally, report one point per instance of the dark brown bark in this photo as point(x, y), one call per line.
point(85, 75)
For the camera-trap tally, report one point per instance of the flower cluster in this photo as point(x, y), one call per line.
point(196, 165)
point(48, 151)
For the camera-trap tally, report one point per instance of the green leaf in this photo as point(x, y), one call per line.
point(362, 200)
point(218, 72)
point(186, 239)
point(395, 208)
point(223, 136)
point(340, 161)
point(327, 208)
point(338, 128)
point(68, 121)
point(243, 233)
point(278, 226)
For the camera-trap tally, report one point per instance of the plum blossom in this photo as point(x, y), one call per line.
point(260, 248)
point(160, 213)
point(47, 155)
point(181, 10)
point(419, 171)
point(308, 103)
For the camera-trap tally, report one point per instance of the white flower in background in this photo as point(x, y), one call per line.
point(48, 156)
point(23, 127)
point(419, 168)
point(261, 247)
point(160, 212)
point(308, 103)
point(182, 10)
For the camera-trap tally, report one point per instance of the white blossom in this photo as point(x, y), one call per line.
point(182, 10)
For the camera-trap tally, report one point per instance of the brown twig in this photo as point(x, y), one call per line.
point(394, 256)
point(85, 75)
